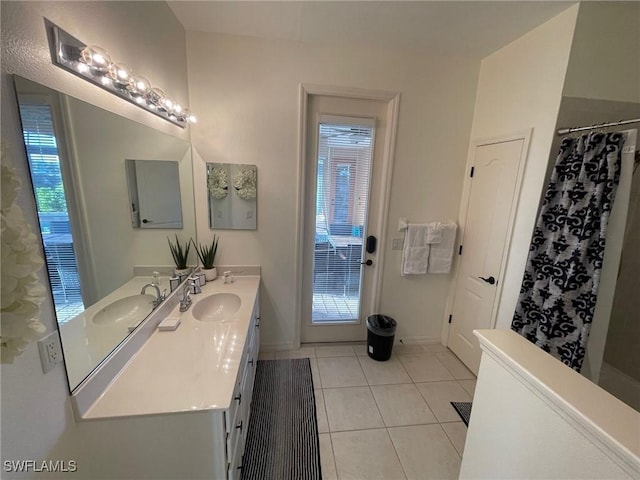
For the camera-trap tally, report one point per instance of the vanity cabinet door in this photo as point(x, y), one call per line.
point(237, 416)
point(235, 406)
point(234, 466)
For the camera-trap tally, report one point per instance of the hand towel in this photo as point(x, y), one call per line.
point(434, 232)
point(415, 255)
point(440, 255)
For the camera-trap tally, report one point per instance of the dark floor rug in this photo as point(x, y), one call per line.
point(282, 440)
point(464, 410)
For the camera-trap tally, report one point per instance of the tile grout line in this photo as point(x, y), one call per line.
point(395, 450)
point(450, 440)
point(333, 453)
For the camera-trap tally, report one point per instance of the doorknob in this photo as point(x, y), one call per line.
point(367, 263)
point(144, 220)
point(489, 280)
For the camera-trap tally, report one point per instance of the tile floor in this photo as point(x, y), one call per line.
point(388, 420)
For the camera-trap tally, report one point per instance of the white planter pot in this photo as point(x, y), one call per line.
point(210, 273)
point(182, 272)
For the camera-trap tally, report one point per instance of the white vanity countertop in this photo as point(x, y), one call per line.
point(192, 368)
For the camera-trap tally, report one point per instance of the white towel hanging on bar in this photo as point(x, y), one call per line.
point(415, 255)
point(441, 254)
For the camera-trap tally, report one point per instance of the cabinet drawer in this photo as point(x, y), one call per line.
point(236, 403)
point(234, 465)
point(236, 437)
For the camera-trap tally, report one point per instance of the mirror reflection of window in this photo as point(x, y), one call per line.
point(55, 225)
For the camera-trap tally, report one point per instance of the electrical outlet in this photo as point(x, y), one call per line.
point(398, 243)
point(50, 351)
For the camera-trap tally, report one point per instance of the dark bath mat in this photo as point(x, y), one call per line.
point(464, 410)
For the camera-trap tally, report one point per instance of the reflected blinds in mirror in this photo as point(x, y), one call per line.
point(343, 176)
point(46, 177)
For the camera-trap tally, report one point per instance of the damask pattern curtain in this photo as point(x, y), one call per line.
point(560, 284)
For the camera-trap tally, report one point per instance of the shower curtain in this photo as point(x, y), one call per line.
point(560, 284)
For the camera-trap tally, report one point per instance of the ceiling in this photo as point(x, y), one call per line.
point(467, 28)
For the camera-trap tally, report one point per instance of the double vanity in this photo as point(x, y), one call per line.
point(180, 405)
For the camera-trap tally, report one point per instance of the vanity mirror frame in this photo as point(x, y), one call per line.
point(99, 220)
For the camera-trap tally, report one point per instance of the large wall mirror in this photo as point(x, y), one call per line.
point(84, 162)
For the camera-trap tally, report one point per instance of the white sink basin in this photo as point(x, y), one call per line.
point(127, 310)
point(216, 307)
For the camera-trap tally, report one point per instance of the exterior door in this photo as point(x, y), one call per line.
point(345, 139)
point(491, 202)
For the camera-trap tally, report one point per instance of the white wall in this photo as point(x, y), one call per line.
point(36, 418)
point(246, 90)
point(604, 62)
point(535, 418)
point(520, 87)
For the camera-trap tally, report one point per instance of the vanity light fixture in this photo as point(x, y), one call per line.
point(94, 64)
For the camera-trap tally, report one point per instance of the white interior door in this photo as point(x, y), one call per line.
point(345, 141)
point(491, 202)
point(158, 194)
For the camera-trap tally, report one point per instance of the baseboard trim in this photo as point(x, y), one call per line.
point(417, 340)
point(275, 347)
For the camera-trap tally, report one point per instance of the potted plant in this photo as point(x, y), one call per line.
point(207, 255)
point(180, 254)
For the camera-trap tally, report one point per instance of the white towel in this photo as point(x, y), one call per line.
point(434, 232)
point(415, 255)
point(441, 253)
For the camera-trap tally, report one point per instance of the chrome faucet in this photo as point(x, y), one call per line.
point(160, 296)
point(185, 301)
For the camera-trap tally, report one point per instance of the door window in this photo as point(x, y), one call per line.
point(343, 170)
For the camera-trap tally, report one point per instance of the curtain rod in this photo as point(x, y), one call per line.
point(564, 131)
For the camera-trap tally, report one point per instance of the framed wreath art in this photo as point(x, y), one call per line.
point(245, 183)
point(218, 183)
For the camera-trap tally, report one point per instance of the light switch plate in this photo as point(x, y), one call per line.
point(398, 244)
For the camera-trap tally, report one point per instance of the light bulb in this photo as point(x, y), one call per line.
point(82, 67)
point(177, 109)
point(167, 105)
point(187, 116)
point(96, 58)
point(120, 74)
point(156, 96)
point(138, 86)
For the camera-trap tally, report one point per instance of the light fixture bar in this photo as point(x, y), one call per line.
point(94, 64)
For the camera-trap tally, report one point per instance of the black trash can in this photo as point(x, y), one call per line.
point(381, 330)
